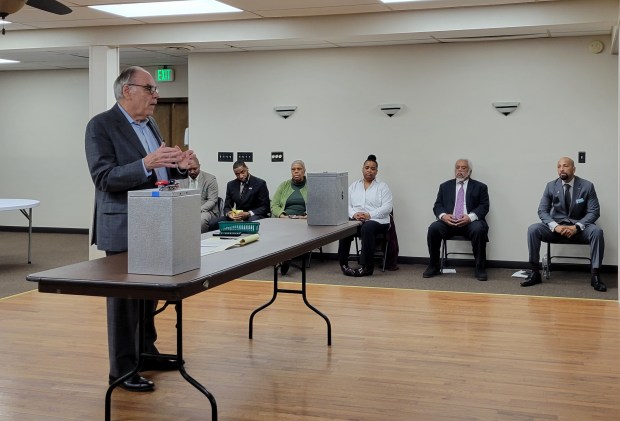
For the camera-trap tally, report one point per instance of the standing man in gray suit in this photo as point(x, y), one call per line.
point(207, 185)
point(125, 151)
point(568, 209)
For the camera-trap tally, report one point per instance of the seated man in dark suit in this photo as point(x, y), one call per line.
point(460, 208)
point(568, 209)
point(247, 198)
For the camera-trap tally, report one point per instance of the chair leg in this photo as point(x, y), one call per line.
point(320, 249)
point(385, 256)
point(546, 262)
point(444, 255)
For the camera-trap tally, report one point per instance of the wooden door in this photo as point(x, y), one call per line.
point(171, 115)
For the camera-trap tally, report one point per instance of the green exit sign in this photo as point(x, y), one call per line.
point(165, 75)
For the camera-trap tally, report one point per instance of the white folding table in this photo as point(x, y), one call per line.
point(22, 205)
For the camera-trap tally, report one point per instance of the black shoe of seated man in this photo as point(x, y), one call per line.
point(136, 383)
point(160, 365)
point(597, 284)
point(481, 275)
point(363, 271)
point(348, 271)
point(533, 279)
point(431, 271)
point(284, 267)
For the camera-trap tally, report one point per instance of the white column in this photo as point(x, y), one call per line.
point(103, 70)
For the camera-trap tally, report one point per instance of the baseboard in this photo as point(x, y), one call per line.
point(49, 230)
point(501, 264)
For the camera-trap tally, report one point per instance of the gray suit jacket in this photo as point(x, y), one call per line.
point(114, 155)
point(584, 207)
point(209, 193)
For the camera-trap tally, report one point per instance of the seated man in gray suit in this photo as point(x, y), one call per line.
point(568, 209)
point(207, 185)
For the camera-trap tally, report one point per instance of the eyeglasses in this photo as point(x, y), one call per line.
point(150, 89)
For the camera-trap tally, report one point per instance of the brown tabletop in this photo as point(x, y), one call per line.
point(280, 239)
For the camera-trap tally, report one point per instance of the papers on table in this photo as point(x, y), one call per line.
point(215, 244)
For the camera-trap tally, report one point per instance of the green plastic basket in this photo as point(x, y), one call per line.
point(229, 227)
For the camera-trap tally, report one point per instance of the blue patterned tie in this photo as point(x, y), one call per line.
point(459, 208)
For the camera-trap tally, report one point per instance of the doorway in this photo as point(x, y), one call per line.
point(171, 115)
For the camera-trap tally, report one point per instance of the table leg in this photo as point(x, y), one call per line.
point(28, 216)
point(190, 379)
point(303, 294)
point(108, 395)
point(293, 291)
point(143, 356)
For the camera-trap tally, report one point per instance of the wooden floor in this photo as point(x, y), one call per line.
point(396, 355)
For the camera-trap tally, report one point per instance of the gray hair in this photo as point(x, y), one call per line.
point(123, 79)
point(299, 162)
point(469, 164)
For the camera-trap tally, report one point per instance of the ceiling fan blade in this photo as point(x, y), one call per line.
point(51, 6)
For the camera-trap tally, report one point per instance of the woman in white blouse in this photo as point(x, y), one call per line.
point(370, 202)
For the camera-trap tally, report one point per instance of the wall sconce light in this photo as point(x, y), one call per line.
point(391, 109)
point(285, 111)
point(506, 108)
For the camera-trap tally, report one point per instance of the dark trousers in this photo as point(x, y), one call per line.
point(367, 232)
point(123, 316)
point(592, 235)
point(476, 232)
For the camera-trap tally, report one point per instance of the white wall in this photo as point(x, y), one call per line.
point(43, 115)
point(568, 96)
point(568, 104)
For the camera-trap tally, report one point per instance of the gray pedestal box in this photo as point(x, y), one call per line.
point(328, 198)
point(164, 231)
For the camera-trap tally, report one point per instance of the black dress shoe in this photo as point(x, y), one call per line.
point(284, 267)
point(363, 271)
point(533, 279)
point(348, 271)
point(481, 275)
point(137, 383)
point(431, 271)
point(597, 284)
point(160, 365)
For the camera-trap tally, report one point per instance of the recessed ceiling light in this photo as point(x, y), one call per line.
point(167, 8)
point(4, 61)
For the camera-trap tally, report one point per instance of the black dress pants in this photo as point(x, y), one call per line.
point(123, 316)
point(476, 232)
point(367, 232)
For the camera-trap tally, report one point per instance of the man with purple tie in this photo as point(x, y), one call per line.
point(461, 207)
point(568, 210)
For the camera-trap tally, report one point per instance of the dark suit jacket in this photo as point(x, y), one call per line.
point(477, 198)
point(114, 155)
point(584, 207)
point(255, 199)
